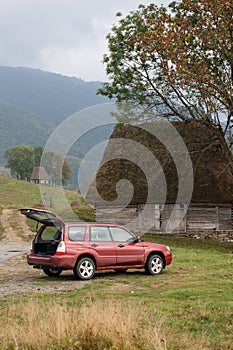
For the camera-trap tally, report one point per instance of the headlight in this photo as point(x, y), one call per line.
point(168, 248)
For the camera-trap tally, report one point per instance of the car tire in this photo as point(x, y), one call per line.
point(154, 265)
point(84, 269)
point(53, 272)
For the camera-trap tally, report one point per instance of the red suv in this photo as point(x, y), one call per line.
point(87, 247)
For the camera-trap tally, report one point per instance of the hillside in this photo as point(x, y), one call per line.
point(34, 102)
point(47, 94)
point(16, 194)
point(20, 126)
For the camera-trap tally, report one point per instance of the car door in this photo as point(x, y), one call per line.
point(103, 246)
point(129, 251)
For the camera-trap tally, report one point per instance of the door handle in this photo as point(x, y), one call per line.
point(94, 245)
point(120, 245)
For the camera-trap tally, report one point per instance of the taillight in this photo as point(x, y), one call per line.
point(61, 249)
point(31, 248)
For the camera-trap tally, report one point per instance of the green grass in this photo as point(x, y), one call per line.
point(193, 295)
point(192, 300)
point(1, 227)
point(189, 306)
point(18, 194)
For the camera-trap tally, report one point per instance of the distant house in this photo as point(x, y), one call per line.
point(39, 175)
point(212, 197)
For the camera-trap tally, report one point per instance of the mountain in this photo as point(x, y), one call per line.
point(34, 102)
point(19, 126)
point(47, 94)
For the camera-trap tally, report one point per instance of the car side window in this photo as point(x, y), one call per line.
point(100, 234)
point(76, 233)
point(121, 235)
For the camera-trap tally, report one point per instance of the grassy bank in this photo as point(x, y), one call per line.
point(19, 194)
point(189, 306)
point(1, 227)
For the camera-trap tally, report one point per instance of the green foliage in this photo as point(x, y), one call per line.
point(38, 151)
point(20, 160)
point(178, 63)
point(57, 167)
point(85, 212)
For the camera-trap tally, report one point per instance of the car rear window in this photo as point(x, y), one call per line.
point(49, 233)
point(76, 233)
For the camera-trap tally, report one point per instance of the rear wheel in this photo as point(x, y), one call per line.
point(154, 265)
point(85, 269)
point(53, 272)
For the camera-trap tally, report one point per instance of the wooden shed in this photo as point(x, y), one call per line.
point(211, 202)
point(39, 175)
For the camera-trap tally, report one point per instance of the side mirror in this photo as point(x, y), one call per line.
point(138, 239)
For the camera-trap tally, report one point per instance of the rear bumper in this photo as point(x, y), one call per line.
point(63, 261)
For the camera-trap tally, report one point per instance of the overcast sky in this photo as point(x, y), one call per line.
point(62, 36)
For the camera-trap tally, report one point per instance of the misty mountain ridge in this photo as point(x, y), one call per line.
point(47, 94)
point(34, 102)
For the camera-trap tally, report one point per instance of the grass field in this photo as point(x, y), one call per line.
point(19, 194)
point(189, 306)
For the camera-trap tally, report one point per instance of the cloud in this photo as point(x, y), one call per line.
point(64, 36)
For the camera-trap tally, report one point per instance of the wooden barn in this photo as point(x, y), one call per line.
point(39, 175)
point(210, 207)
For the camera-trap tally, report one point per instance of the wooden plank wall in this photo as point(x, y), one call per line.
point(209, 217)
point(199, 217)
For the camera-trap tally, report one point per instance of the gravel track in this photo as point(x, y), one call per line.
point(16, 276)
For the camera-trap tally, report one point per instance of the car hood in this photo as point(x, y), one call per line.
point(154, 245)
point(42, 216)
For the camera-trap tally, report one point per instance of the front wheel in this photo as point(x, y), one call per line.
point(85, 269)
point(154, 265)
point(53, 272)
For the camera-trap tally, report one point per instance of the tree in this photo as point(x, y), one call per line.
point(57, 168)
point(177, 61)
point(38, 151)
point(20, 160)
point(66, 172)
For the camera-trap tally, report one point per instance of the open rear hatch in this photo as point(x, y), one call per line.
point(49, 234)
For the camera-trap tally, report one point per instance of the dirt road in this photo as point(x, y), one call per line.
point(16, 236)
point(16, 276)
